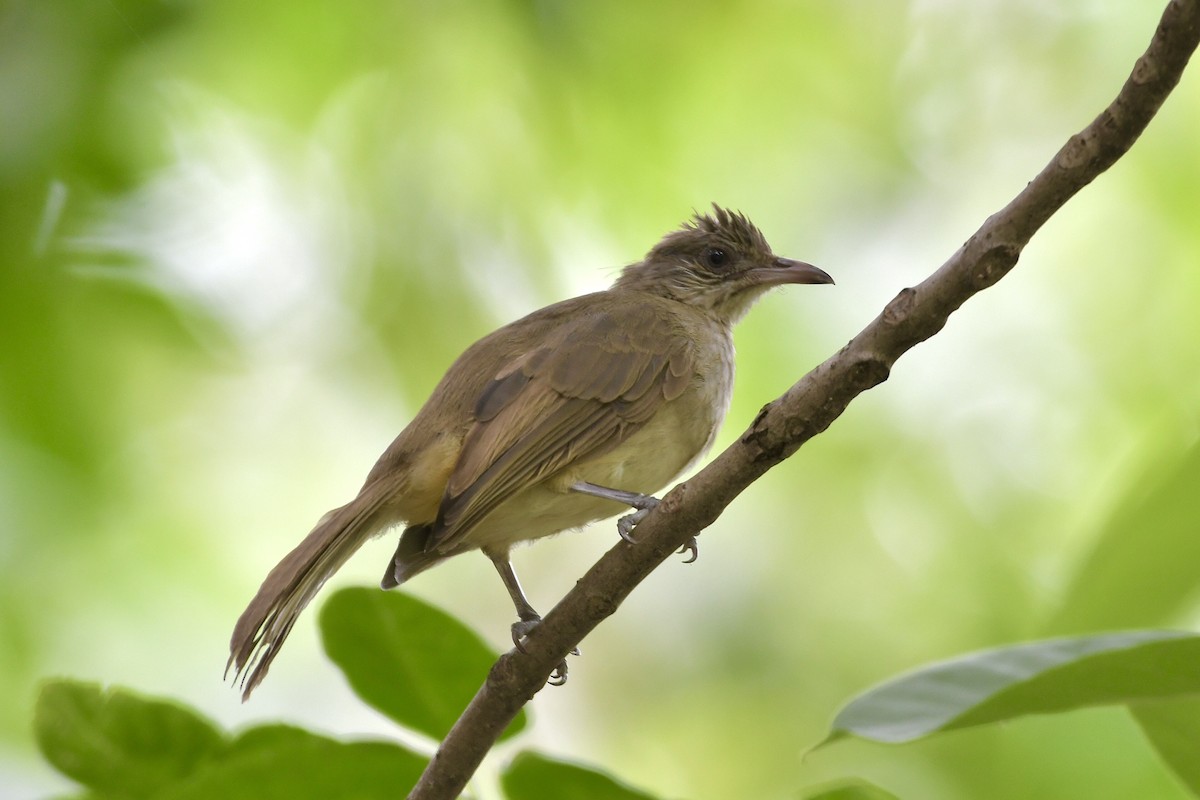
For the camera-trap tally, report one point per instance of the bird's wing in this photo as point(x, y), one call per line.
point(580, 394)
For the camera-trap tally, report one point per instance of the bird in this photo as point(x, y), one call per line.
point(547, 424)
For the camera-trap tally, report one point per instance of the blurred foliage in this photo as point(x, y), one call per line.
point(119, 745)
point(412, 662)
point(851, 790)
point(239, 243)
point(1173, 726)
point(122, 746)
point(1149, 538)
point(531, 777)
point(1153, 673)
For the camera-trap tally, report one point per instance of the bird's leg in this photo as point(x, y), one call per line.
point(528, 618)
point(644, 504)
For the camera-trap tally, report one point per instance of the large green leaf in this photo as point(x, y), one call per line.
point(1142, 568)
point(1036, 678)
point(272, 735)
point(118, 743)
point(304, 766)
point(413, 662)
point(531, 776)
point(1173, 727)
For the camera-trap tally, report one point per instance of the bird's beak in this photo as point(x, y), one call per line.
point(784, 270)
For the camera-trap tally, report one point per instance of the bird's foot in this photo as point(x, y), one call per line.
point(522, 628)
point(559, 676)
point(627, 523)
point(692, 547)
point(644, 504)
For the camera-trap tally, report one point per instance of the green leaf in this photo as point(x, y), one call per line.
point(117, 743)
point(272, 735)
point(1036, 678)
point(856, 789)
point(531, 776)
point(415, 663)
point(1141, 570)
point(1173, 727)
point(308, 766)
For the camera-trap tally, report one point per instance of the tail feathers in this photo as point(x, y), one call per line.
point(267, 621)
point(411, 556)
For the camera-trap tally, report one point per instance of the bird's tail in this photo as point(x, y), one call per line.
point(267, 621)
point(413, 555)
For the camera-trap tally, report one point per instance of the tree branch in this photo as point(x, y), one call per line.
point(813, 403)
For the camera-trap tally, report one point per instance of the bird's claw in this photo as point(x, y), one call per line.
point(522, 628)
point(627, 523)
point(559, 676)
point(692, 547)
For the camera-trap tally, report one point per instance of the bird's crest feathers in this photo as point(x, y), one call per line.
point(721, 227)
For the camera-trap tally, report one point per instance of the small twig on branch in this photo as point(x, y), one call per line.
point(813, 403)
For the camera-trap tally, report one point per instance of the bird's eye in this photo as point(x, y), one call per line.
point(715, 258)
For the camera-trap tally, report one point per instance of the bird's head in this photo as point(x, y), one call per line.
point(718, 261)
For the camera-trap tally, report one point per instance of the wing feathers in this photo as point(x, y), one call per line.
point(574, 398)
point(561, 440)
point(499, 393)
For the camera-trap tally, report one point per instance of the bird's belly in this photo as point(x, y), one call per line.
point(646, 462)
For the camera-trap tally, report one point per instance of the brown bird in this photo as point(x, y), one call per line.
point(547, 424)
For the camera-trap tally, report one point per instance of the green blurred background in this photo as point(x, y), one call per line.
point(239, 242)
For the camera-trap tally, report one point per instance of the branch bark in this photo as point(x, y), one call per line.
point(814, 402)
